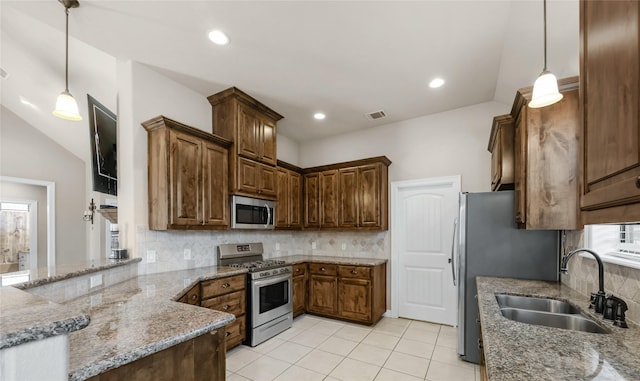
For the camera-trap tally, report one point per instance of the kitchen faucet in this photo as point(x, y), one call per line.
point(597, 299)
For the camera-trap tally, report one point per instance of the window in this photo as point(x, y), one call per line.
point(619, 244)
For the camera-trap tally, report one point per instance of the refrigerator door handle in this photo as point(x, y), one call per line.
point(453, 245)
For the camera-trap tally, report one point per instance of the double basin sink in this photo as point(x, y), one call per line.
point(547, 312)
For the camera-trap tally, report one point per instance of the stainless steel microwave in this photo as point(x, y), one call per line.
point(252, 213)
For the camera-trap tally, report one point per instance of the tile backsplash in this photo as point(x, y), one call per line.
point(177, 250)
point(621, 281)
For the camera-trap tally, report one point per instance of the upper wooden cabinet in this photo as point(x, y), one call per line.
point(610, 93)
point(347, 196)
point(501, 146)
point(187, 177)
point(289, 201)
point(546, 152)
point(252, 127)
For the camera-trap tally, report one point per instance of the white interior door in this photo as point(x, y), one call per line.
point(423, 215)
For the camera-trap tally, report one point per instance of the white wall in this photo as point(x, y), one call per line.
point(448, 143)
point(288, 150)
point(27, 153)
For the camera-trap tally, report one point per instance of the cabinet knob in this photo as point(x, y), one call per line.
point(194, 297)
point(297, 270)
point(228, 333)
point(226, 307)
point(354, 272)
point(638, 182)
point(226, 285)
point(322, 269)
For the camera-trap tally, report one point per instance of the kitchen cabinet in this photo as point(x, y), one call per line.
point(610, 94)
point(200, 359)
point(187, 177)
point(299, 289)
point(501, 146)
point(353, 293)
point(252, 127)
point(546, 151)
point(227, 294)
point(289, 200)
point(347, 196)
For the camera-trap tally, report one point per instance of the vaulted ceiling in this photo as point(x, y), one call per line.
point(344, 58)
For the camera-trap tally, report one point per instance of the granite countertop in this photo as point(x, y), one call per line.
point(519, 351)
point(295, 259)
point(25, 317)
point(60, 272)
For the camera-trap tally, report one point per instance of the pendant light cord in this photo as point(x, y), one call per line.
point(66, 62)
point(545, 34)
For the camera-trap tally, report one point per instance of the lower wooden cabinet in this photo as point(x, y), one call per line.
point(200, 359)
point(354, 293)
point(299, 289)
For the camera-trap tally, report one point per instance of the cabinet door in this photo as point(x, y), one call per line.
point(610, 84)
point(312, 200)
point(248, 133)
point(215, 185)
point(268, 142)
point(267, 186)
point(323, 294)
point(369, 197)
point(354, 299)
point(329, 199)
point(520, 172)
point(248, 176)
point(348, 212)
point(299, 294)
point(295, 199)
point(185, 164)
point(283, 199)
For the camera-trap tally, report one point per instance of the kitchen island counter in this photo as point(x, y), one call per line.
point(518, 351)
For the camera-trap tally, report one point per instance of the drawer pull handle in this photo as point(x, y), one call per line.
point(226, 307)
point(354, 272)
point(638, 182)
point(226, 285)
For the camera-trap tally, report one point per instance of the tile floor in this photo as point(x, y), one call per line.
point(316, 348)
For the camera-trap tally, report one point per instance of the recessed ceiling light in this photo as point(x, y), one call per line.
point(219, 38)
point(319, 116)
point(436, 82)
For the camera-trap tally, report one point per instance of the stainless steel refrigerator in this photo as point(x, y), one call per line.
point(490, 244)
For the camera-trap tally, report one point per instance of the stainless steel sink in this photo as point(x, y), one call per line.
point(537, 304)
point(575, 322)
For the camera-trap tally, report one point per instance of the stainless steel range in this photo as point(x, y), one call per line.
point(269, 283)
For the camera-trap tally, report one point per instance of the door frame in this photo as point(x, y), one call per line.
point(51, 216)
point(396, 186)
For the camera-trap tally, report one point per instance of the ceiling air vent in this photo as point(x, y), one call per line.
point(376, 115)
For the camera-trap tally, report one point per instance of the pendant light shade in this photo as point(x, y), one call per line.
point(66, 105)
point(545, 89)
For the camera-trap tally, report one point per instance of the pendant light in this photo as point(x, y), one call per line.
point(66, 105)
point(545, 89)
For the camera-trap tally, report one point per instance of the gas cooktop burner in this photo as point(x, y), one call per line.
point(259, 265)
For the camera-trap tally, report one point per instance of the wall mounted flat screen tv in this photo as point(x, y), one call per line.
point(103, 126)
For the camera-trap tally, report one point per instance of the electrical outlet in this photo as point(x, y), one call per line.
point(187, 254)
point(186, 282)
point(344, 246)
point(95, 281)
point(151, 256)
point(314, 245)
point(277, 245)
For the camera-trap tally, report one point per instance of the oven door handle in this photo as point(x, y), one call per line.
point(273, 280)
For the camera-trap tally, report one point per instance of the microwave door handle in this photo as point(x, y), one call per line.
point(268, 215)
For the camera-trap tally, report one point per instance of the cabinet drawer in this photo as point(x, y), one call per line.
point(323, 269)
point(360, 272)
point(299, 269)
point(233, 303)
point(221, 286)
point(235, 332)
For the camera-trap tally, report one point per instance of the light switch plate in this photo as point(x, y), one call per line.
point(95, 281)
point(277, 245)
point(151, 256)
point(187, 254)
point(344, 246)
point(314, 245)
